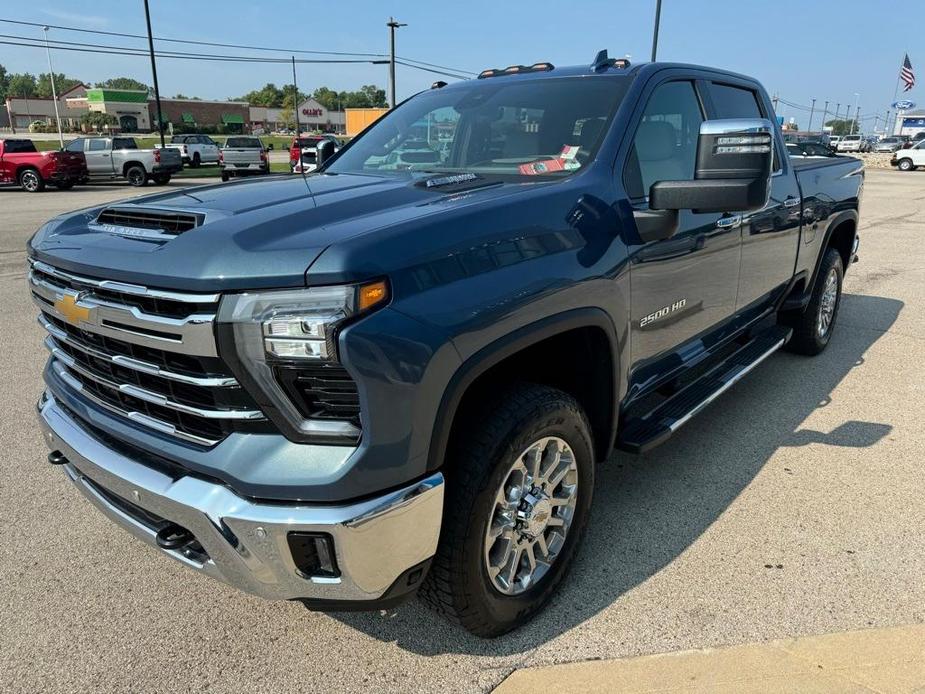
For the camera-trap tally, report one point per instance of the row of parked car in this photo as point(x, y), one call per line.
point(874, 143)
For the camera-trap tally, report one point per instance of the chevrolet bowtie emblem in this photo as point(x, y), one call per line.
point(73, 314)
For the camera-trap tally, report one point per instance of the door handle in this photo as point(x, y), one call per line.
point(729, 222)
point(105, 156)
point(791, 202)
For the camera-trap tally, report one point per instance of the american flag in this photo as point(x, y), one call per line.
point(907, 75)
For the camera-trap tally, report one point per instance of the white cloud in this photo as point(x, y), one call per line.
point(77, 19)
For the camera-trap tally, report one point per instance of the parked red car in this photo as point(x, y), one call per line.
point(23, 165)
point(305, 148)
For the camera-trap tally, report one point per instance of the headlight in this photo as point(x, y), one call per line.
point(275, 340)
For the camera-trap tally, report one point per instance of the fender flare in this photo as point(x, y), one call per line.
point(840, 218)
point(502, 348)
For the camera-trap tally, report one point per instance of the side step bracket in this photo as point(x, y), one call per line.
point(642, 433)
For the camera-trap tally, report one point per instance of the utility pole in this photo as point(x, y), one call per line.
point(837, 109)
point(857, 119)
point(857, 101)
point(392, 25)
point(811, 110)
point(295, 109)
point(658, 19)
point(774, 103)
point(825, 112)
point(54, 94)
point(157, 91)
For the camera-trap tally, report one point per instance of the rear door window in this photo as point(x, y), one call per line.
point(97, 145)
point(734, 102)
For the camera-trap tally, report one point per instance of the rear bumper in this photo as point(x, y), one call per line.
point(381, 545)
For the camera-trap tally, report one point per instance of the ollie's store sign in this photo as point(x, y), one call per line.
point(313, 112)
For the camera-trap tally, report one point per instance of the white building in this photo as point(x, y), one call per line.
point(910, 123)
point(312, 117)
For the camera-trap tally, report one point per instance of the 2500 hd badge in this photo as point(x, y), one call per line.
point(662, 312)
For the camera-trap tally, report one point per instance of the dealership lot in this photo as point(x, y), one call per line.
point(792, 507)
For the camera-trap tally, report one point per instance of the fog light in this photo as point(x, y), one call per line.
point(313, 554)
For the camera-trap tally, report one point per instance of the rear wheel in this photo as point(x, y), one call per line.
point(519, 484)
point(136, 176)
point(64, 185)
point(812, 328)
point(31, 181)
point(196, 161)
point(225, 177)
point(161, 179)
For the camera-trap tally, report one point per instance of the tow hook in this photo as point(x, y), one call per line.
point(57, 458)
point(173, 536)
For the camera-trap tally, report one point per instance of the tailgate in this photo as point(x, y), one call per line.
point(170, 156)
point(241, 156)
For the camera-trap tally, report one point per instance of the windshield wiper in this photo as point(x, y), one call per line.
point(450, 179)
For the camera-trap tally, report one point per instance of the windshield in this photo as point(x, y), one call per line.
point(543, 127)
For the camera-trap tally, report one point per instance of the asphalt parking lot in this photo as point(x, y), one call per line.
point(793, 506)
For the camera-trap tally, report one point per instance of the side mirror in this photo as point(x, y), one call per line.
point(323, 152)
point(733, 173)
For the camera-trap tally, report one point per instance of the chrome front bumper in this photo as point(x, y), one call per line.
point(245, 542)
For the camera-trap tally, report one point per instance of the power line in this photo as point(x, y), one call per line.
point(244, 46)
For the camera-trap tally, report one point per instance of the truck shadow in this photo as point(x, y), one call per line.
point(649, 509)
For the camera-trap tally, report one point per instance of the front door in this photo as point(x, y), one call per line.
point(98, 152)
point(128, 124)
point(685, 286)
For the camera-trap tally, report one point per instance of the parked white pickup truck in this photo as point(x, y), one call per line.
point(195, 149)
point(120, 157)
point(243, 156)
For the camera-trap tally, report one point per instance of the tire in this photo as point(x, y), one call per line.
point(64, 185)
point(906, 165)
point(161, 179)
point(809, 336)
point(225, 177)
point(136, 176)
point(196, 161)
point(480, 464)
point(31, 181)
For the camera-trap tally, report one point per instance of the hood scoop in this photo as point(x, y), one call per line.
point(157, 225)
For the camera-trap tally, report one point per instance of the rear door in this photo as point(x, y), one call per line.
point(684, 287)
point(770, 237)
point(98, 151)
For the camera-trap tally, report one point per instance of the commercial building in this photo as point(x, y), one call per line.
point(358, 119)
point(313, 116)
point(21, 112)
point(910, 123)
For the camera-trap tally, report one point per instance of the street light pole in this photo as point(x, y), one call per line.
point(157, 92)
point(54, 94)
point(825, 112)
point(812, 108)
point(658, 19)
point(392, 25)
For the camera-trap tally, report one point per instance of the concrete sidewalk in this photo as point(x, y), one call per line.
point(873, 660)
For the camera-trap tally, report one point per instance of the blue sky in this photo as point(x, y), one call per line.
point(827, 49)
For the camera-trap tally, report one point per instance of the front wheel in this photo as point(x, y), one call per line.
point(520, 476)
point(812, 327)
point(136, 176)
point(225, 177)
point(906, 165)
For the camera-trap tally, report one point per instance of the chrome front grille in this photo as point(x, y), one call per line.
point(109, 343)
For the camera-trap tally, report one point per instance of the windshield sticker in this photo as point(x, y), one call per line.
point(569, 152)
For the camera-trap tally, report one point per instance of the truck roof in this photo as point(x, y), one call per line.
point(619, 67)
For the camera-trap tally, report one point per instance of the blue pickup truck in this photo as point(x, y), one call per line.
point(397, 375)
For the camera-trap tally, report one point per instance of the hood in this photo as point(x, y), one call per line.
point(256, 233)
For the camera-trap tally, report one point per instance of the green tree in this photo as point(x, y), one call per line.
point(268, 95)
point(96, 120)
point(62, 84)
point(843, 126)
point(21, 85)
point(123, 83)
point(184, 96)
point(287, 117)
point(328, 98)
point(4, 82)
point(374, 95)
point(289, 97)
